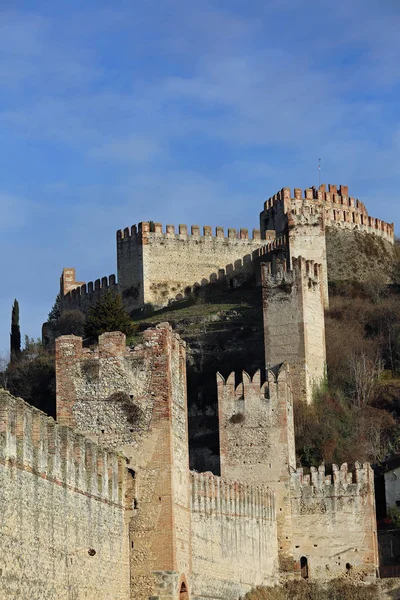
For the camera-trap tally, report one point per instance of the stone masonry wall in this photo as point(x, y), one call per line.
point(156, 266)
point(77, 295)
point(234, 544)
point(334, 523)
point(60, 496)
point(294, 324)
point(135, 400)
point(335, 207)
point(257, 442)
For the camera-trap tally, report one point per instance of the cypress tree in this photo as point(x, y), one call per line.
point(15, 336)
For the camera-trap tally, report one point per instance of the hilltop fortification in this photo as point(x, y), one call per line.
point(110, 478)
point(157, 265)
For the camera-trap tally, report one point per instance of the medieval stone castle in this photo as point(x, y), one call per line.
point(101, 503)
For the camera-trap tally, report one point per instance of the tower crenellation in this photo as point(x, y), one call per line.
point(334, 206)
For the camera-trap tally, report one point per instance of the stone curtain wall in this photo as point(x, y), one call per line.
point(157, 266)
point(257, 442)
point(294, 325)
point(60, 495)
point(334, 523)
point(335, 207)
point(234, 544)
point(77, 295)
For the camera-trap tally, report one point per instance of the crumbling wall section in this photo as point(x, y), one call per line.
point(63, 505)
point(334, 523)
point(135, 400)
point(234, 544)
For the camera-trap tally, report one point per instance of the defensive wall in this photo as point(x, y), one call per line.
point(77, 295)
point(234, 544)
point(62, 497)
point(294, 323)
point(135, 401)
point(333, 229)
point(157, 266)
point(334, 523)
point(335, 207)
point(325, 526)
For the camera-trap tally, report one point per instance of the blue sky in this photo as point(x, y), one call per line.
point(181, 112)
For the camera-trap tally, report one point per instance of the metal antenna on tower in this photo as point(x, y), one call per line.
point(319, 172)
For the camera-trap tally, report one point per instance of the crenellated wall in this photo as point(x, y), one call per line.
point(256, 433)
point(335, 207)
point(60, 495)
point(77, 295)
point(294, 324)
point(234, 543)
point(157, 266)
point(334, 522)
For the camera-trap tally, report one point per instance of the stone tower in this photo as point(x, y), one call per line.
point(294, 325)
point(257, 442)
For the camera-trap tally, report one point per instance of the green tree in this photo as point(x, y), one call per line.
point(32, 377)
point(15, 336)
point(108, 314)
point(55, 313)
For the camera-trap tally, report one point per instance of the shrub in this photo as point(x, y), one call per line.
point(108, 314)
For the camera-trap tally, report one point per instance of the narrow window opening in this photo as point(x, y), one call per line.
point(183, 594)
point(348, 567)
point(131, 472)
point(304, 567)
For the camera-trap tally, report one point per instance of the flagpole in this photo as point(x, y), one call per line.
point(319, 172)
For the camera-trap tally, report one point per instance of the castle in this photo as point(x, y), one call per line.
point(101, 503)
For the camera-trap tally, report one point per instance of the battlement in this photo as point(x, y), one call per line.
point(34, 442)
point(334, 206)
point(213, 494)
point(80, 295)
point(154, 231)
point(250, 388)
point(277, 274)
point(349, 482)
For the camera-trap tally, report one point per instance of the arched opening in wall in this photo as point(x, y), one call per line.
point(183, 592)
point(304, 567)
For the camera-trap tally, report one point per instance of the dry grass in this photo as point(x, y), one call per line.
point(338, 589)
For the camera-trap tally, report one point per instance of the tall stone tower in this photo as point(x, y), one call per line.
point(135, 400)
point(301, 221)
point(294, 325)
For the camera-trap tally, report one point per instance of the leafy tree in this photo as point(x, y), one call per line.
point(108, 314)
point(15, 336)
point(32, 377)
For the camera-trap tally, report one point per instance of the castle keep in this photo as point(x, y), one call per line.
point(101, 504)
